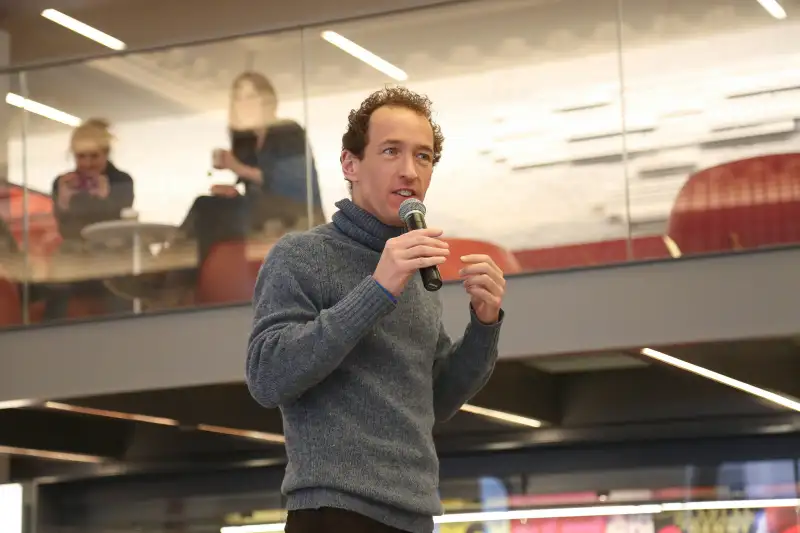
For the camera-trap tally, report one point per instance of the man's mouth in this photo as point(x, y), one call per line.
point(405, 193)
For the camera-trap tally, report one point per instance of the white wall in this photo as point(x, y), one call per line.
point(483, 168)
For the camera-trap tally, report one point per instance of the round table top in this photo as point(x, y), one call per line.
point(114, 230)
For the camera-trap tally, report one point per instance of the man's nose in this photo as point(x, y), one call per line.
point(409, 169)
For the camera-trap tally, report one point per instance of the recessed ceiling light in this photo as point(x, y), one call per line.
point(43, 110)
point(359, 52)
point(83, 29)
point(723, 379)
point(773, 8)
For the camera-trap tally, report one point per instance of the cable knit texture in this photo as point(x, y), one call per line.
point(360, 379)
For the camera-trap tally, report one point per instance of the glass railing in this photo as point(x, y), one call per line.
point(735, 497)
point(637, 131)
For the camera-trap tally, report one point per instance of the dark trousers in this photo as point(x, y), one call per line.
point(330, 520)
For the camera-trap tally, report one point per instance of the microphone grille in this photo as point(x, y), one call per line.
point(409, 206)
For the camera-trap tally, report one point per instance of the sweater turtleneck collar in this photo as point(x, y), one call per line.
point(362, 226)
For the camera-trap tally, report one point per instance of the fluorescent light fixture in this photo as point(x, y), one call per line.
point(244, 433)
point(53, 456)
point(42, 110)
point(376, 62)
point(110, 414)
point(83, 29)
point(16, 404)
point(163, 421)
point(773, 8)
point(502, 416)
point(723, 379)
point(565, 512)
point(11, 508)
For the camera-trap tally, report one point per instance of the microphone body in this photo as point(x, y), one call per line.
point(415, 219)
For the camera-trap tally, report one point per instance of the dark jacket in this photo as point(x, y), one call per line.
point(85, 209)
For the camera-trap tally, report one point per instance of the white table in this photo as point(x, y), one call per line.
point(129, 234)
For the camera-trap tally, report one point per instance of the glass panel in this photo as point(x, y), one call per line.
point(202, 166)
point(21, 207)
point(718, 87)
point(757, 496)
point(527, 96)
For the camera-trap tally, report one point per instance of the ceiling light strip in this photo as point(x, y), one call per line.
point(83, 29)
point(51, 455)
point(773, 8)
point(111, 414)
point(723, 379)
point(361, 53)
point(42, 110)
point(502, 416)
point(16, 404)
point(162, 421)
point(244, 433)
point(566, 512)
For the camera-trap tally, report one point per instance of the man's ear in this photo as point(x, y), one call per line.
point(349, 166)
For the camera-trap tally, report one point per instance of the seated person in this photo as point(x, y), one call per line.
point(269, 158)
point(95, 191)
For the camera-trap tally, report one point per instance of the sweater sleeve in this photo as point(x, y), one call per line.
point(295, 342)
point(462, 368)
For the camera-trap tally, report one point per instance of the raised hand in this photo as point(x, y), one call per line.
point(485, 285)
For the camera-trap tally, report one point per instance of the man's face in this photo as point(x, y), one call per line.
point(397, 163)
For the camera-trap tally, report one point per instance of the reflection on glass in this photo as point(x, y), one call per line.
point(640, 130)
point(716, 169)
point(191, 235)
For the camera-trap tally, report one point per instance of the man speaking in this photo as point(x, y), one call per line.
point(349, 344)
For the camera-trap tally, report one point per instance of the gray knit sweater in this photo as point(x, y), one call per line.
point(359, 377)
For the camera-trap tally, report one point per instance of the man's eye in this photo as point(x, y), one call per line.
point(390, 151)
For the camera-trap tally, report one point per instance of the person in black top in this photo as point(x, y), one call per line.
point(272, 161)
point(94, 191)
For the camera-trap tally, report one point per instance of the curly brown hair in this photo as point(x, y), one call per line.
point(355, 139)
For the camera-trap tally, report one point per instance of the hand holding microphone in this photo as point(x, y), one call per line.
point(421, 249)
point(418, 250)
point(406, 254)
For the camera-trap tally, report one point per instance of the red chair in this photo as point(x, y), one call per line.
point(739, 205)
point(226, 275)
point(10, 304)
point(460, 247)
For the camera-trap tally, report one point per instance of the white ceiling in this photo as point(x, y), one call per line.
point(436, 42)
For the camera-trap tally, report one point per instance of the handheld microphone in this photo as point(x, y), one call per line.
point(412, 213)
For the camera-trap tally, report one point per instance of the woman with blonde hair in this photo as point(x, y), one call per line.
point(94, 191)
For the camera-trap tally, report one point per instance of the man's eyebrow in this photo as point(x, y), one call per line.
point(425, 147)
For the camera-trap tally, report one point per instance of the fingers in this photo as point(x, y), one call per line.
point(486, 282)
point(430, 232)
point(480, 293)
point(424, 251)
point(422, 262)
point(489, 269)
